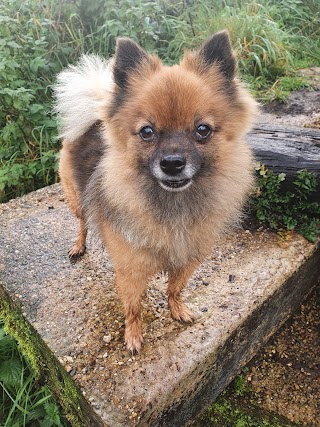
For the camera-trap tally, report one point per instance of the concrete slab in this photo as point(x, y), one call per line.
point(241, 294)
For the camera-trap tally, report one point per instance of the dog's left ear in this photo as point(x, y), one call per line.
point(216, 50)
point(129, 55)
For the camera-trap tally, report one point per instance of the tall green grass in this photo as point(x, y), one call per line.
point(23, 401)
point(37, 39)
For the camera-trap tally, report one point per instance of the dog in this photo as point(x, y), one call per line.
point(154, 158)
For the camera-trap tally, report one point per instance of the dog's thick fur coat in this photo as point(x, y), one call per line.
point(154, 158)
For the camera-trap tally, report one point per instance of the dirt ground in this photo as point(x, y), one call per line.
point(284, 377)
point(302, 108)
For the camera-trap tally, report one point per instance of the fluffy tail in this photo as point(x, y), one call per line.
point(81, 92)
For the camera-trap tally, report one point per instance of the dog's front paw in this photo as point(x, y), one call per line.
point(76, 251)
point(179, 311)
point(133, 338)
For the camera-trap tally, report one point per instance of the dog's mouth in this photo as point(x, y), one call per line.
point(175, 185)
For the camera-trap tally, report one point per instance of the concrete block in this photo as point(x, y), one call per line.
point(241, 294)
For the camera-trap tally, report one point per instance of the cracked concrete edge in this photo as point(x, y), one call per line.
point(244, 343)
point(45, 365)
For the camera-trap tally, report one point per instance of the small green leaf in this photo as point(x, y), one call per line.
point(10, 372)
point(14, 45)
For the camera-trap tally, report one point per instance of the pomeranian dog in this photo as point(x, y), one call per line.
point(154, 158)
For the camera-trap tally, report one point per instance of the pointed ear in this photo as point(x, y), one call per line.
point(217, 50)
point(128, 57)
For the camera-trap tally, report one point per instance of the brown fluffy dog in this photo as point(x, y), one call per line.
point(154, 158)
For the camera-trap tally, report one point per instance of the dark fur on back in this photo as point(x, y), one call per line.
point(88, 151)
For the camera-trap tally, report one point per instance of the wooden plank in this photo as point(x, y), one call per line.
point(287, 150)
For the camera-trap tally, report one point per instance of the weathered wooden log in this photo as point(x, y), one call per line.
point(287, 150)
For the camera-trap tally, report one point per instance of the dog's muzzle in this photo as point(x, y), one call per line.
point(172, 167)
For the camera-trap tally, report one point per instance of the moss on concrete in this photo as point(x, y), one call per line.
point(229, 410)
point(42, 361)
point(226, 413)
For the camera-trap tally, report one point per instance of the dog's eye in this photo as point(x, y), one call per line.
point(147, 133)
point(202, 132)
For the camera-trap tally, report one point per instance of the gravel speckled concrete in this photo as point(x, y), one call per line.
point(241, 294)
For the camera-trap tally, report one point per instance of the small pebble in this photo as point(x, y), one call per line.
point(107, 339)
point(72, 372)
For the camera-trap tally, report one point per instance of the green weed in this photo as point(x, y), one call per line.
point(233, 408)
point(293, 209)
point(23, 401)
point(225, 412)
point(239, 385)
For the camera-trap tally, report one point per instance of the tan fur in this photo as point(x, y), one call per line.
point(72, 194)
point(142, 234)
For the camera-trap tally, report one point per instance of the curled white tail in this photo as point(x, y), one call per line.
point(81, 92)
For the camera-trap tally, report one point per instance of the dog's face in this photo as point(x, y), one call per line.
point(172, 128)
point(175, 124)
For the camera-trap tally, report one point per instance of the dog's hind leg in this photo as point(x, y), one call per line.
point(79, 248)
point(177, 280)
point(70, 187)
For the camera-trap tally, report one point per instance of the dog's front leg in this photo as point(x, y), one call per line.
point(131, 286)
point(133, 268)
point(177, 280)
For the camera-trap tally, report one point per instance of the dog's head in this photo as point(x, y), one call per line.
point(177, 123)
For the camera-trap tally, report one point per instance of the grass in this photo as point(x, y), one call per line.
point(283, 87)
point(42, 372)
point(229, 411)
point(24, 401)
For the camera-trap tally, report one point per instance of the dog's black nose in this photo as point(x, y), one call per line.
point(172, 164)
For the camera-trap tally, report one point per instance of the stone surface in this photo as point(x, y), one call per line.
point(240, 295)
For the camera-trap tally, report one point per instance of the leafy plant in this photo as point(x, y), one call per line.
point(23, 402)
point(94, 27)
point(294, 209)
point(27, 129)
point(239, 385)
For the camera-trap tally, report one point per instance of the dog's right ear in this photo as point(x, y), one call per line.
point(129, 55)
